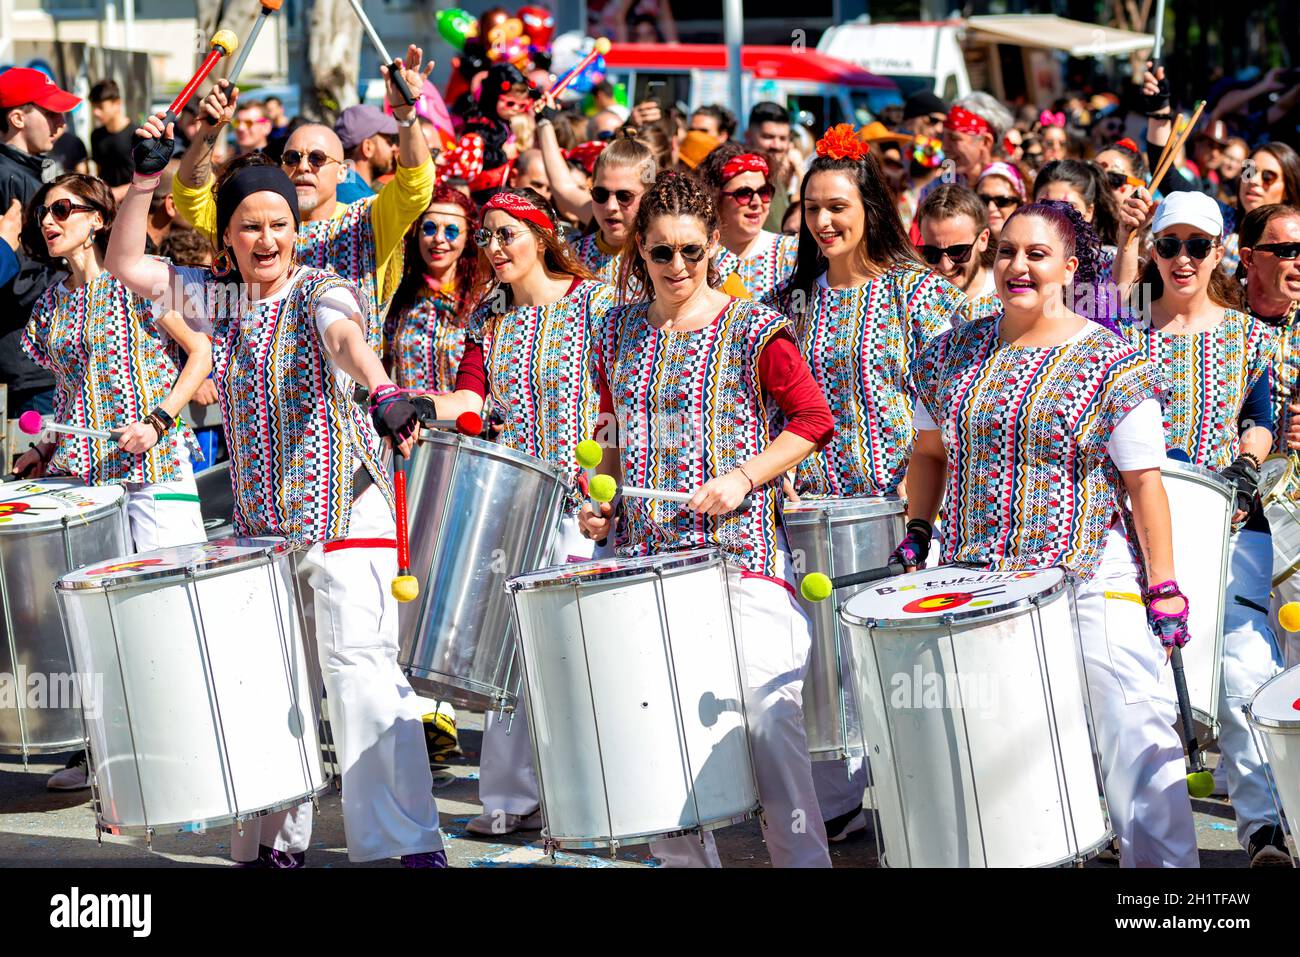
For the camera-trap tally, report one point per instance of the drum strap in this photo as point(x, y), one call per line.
point(175, 497)
point(1125, 596)
point(339, 543)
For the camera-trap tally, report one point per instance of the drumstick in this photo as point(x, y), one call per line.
point(1175, 143)
point(1200, 782)
point(600, 48)
point(395, 67)
point(603, 489)
point(33, 423)
point(818, 587)
point(405, 586)
point(268, 7)
point(224, 43)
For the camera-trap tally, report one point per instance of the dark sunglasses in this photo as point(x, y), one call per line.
point(504, 236)
point(1267, 176)
point(430, 230)
point(600, 196)
point(1001, 202)
point(1280, 250)
point(663, 254)
point(1116, 180)
point(745, 195)
point(959, 253)
point(317, 158)
point(1168, 247)
point(62, 209)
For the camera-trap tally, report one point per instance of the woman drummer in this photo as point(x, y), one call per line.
point(289, 342)
point(115, 368)
point(1032, 426)
point(687, 378)
point(1217, 361)
point(530, 352)
point(424, 333)
point(743, 186)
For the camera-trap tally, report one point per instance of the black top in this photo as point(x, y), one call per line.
point(68, 151)
point(112, 154)
point(21, 176)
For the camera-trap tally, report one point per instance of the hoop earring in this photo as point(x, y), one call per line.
point(221, 265)
point(90, 240)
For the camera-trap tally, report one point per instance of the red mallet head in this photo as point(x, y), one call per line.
point(469, 423)
point(31, 422)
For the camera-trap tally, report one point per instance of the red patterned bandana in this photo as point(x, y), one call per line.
point(964, 121)
point(744, 163)
point(519, 208)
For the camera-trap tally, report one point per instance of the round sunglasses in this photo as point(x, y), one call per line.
point(1168, 247)
point(958, 253)
point(504, 235)
point(62, 209)
point(600, 196)
point(317, 158)
point(429, 229)
point(745, 195)
point(663, 254)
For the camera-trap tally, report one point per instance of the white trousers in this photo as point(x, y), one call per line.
point(1250, 657)
point(1142, 765)
point(162, 514)
point(388, 805)
point(839, 785)
point(775, 642)
point(507, 776)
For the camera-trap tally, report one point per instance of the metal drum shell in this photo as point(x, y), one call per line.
point(1278, 491)
point(32, 558)
point(837, 536)
point(478, 513)
point(1274, 716)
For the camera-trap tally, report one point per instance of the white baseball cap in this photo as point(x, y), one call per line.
point(1189, 208)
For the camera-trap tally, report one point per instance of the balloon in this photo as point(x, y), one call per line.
point(456, 26)
point(489, 20)
point(620, 94)
point(538, 24)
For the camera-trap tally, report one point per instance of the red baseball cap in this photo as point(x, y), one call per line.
point(21, 85)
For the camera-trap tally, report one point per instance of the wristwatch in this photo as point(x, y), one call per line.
point(407, 123)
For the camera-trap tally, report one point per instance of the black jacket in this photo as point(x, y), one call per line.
point(20, 178)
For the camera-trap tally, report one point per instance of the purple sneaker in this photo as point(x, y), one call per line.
point(268, 858)
point(429, 859)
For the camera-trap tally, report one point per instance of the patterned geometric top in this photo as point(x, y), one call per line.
point(113, 366)
point(1209, 375)
point(1231, 253)
point(540, 370)
point(1030, 483)
point(346, 245)
point(1285, 381)
point(982, 307)
point(425, 343)
point(689, 408)
point(861, 344)
point(765, 273)
point(296, 437)
point(604, 265)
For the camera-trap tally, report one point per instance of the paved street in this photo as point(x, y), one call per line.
point(39, 828)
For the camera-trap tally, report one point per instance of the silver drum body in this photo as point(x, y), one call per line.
point(478, 514)
point(62, 525)
point(837, 536)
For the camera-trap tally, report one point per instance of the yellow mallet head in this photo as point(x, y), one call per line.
point(603, 488)
point(815, 587)
point(226, 41)
point(406, 588)
point(1200, 784)
point(589, 453)
point(1288, 616)
point(602, 45)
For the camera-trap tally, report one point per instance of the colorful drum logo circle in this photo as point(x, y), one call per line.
point(940, 602)
point(124, 567)
point(10, 509)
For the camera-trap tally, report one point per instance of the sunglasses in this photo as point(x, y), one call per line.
point(663, 254)
point(600, 196)
point(504, 235)
point(62, 209)
point(249, 124)
point(1267, 176)
point(959, 253)
point(745, 195)
point(429, 229)
point(1116, 180)
point(1168, 247)
point(518, 104)
point(317, 158)
point(1280, 250)
point(1001, 202)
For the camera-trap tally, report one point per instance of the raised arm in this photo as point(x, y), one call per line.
point(126, 260)
point(570, 198)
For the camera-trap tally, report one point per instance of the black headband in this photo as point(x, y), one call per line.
point(253, 179)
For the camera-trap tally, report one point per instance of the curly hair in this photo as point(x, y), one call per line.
point(414, 268)
point(91, 191)
point(1081, 241)
point(673, 194)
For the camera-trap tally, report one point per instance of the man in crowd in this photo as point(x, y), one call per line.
point(924, 115)
point(369, 140)
point(252, 129)
point(715, 121)
point(769, 129)
point(110, 140)
point(529, 171)
point(955, 242)
point(973, 133)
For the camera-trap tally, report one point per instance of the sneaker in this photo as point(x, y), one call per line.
point(269, 858)
point(75, 776)
point(1268, 848)
point(495, 825)
point(846, 825)
point(440, 738)
point(431, 859)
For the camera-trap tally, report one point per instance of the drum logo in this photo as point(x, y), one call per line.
point(946, 601)
point(130, 566)
point(10, 509)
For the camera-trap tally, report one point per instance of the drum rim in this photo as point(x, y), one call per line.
point(959, 618)
point(1199, 473)
point(494, 450)
point(93, 512)
point(222, 820)
point(1288, 474)
point(645, 837)
point(843, 508)
point(644, 567)
point(277, 547)
point(1272, 724)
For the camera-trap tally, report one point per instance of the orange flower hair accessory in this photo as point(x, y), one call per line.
point(841, 142)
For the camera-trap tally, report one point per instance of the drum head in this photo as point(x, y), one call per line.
point(45, 503)
point(842, 509)
point(928, 598)
point(1274, 476)
point(175, 562)
point(607, 569)
point(1277, 702)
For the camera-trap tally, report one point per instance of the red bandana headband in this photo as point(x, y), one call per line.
point(519, 208)
point(964, 121)
point(744, 163)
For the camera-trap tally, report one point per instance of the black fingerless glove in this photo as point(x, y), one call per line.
point(394, 416)
point(424, 409)
point(151, 156)
point(1244, 477)
point(1159, 100)
point(914, 549)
